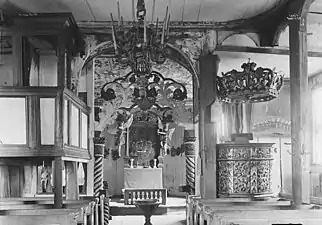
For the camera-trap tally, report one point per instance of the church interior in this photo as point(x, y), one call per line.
point(208, 108)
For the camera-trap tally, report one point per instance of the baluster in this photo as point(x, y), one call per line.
point(92, 212)
point(158, 195)
point(96, 211)
point(85, 215)
point(132, 198)
point(102, 209)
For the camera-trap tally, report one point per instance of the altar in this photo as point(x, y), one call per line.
point(148, 178)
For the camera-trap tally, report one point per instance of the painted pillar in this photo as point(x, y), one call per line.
point(98, 168)
point(190, 152)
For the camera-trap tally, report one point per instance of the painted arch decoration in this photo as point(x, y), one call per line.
point(106, 48)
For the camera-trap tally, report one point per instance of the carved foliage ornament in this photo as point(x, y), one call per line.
point(145, 92)
point(250, 85)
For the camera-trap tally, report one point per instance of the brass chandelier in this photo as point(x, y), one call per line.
point(143, 43)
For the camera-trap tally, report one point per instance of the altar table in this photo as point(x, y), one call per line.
point(143, 178)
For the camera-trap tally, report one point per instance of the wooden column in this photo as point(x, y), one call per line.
point(300, 112)
point(90, 68)
point(72, 191)
point(4, 181)
point(207, 138)
point(59, 127)
point(58, 183)
point(98, 168)
point(190, 153)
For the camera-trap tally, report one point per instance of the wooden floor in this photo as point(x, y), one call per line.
point(173, 219)
point(174, 205)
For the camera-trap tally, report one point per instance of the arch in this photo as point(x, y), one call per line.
point(272, 123)
point(250, 36)
point(171, 52)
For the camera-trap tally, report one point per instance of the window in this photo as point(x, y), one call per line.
point(317, 125)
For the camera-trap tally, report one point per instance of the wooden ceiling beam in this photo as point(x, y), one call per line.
point(262, 50)
point(90, 27)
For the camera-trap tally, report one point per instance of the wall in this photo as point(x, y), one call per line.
point(276, 110)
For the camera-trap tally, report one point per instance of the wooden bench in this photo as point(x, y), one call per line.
point(85, 211)
point(198, 209)
point(39, 217)
point(266, 217)
point(132, 194)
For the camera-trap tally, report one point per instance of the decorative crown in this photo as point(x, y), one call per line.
point(250, 85)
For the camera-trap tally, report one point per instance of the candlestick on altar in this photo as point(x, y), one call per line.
point(154, 163)
point(131, 163)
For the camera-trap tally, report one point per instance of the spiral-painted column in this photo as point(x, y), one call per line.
point(98, 168)
point(190, 152)
point(107, 214)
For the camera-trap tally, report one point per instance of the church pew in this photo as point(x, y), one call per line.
point(39, 217)
point(196, 206)
point(84, 211)
point(264, 217)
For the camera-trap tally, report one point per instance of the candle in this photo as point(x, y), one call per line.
point(168, 26)
point(113, 35)
point(144, 23)
point(133, 11)
point(164, 25)
point(118, 13)
point(153, 11)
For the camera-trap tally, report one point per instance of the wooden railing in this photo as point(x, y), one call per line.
point(133, 194)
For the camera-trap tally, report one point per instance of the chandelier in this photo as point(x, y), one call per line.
point(250, 85)
point(143, 43)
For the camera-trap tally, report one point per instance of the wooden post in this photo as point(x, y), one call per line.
point(72, 191)
point(4, 181)
point(300, 112)
point(90, 68)
point(17, 60)
point(98, 168)
point(58, 183)
point(207, 138)
point(190, 152)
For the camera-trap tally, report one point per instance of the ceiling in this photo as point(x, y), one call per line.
point(191, 10)
point(99, 10)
